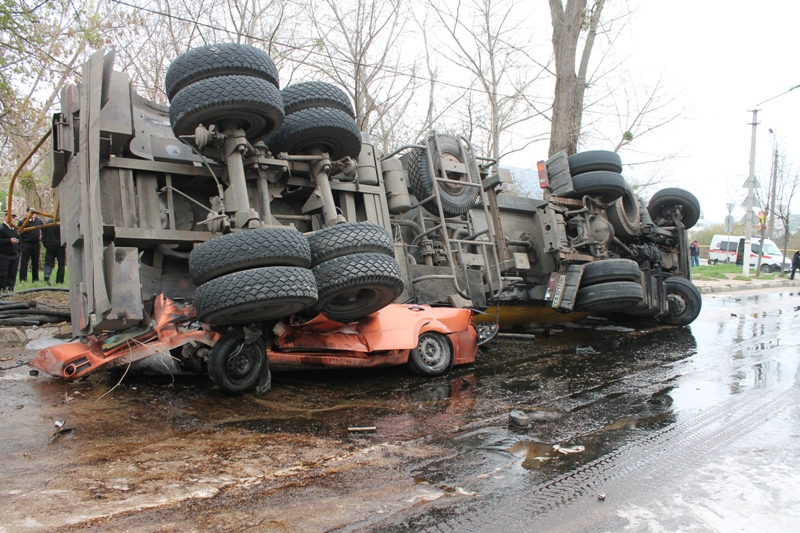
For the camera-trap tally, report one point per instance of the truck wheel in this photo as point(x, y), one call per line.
point(233, 365)
point(610, 296)
point(356, 285)
point(310, 94)
point(685, 302)
point(248, 249)
point(255, 295)
point(625, 214)
point(594, 160)
point(215, 60)
point(331, 130)
point(605, 186)
point(432, 356)
point(666, 199)
point(251, 103)
point(610, 270)
point(349, 238)
point(456, 199)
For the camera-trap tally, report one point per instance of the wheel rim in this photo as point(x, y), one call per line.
point(453, 186)
point(677, 304)
point(354, 300)
point(243, 363)
point(432, 353)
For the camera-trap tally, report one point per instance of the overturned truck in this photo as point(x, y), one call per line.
point(244, 227)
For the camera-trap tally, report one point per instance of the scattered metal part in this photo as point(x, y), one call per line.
point(601, 496)
point(362, 429)
point(519, 419)
point(517, 336)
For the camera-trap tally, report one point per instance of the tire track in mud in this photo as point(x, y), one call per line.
point(673, 448)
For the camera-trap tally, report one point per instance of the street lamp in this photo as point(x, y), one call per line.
point(751, 179)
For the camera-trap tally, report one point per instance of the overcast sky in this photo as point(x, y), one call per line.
point(720, 59)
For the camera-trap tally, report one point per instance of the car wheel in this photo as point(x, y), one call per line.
point(244, 250)
point(235, 366)
point(250, 103)
point(685, 302)
point(356, 285)
point(255, 295)
point(216, 60)
point(432, 356)
point(603, 185)
point(456, 198)
point(331, 130)
point(310, 94)
point(594, 160)
point(625, 214)
point(665, 200)
point(766, 269)
point(349, 238)
point(610, 270)
point(610, 297)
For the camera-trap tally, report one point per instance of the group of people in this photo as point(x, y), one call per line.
point(17, 252)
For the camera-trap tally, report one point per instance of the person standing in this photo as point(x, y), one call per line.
point(53, 250)
point(694, 250)
point(9, 256)
point(795, 263)
point(30, 249)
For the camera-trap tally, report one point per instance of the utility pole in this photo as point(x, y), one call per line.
point(751, 181)
point(773, 185)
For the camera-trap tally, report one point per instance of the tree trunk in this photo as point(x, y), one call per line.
point(571, 85)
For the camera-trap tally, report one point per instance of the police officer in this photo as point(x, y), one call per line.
point(30, 249)
point(9, 256)
point(53, 250)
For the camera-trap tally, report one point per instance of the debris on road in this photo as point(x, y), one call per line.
point(362, 429)
point(519, 419)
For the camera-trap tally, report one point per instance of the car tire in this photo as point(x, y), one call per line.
point(216, 60)
point(601, 184)
point(255, 295)
point(356, 285)
point(766, 269)
point(610, 270)
point(594, 160)
point(309, 94)
point(685, 302)
point(251, 103)
point(432, 355)
point(456, 199)
point(332, 130)
point(244, 250)
point(625, 214)
point(234, 366)
point(666, 199)
point(612, 296)
point(349, 238)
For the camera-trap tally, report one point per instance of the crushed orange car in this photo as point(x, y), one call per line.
point(429, 340)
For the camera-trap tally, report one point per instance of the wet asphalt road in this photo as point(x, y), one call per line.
point(692, 429)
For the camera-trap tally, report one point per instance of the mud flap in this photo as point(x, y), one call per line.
point(566, 288)
point(265, 378)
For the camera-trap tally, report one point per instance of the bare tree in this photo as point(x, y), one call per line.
point(487, 42)
point(572, 68)
point(788, 187)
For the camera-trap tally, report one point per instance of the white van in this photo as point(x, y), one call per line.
point(730, 248)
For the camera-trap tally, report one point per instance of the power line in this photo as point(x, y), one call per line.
point(304, 50)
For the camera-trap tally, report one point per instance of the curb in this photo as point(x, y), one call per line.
point(750, 286)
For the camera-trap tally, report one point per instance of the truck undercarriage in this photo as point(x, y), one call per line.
point(252, 210)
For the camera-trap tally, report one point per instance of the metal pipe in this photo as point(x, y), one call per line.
point(320, 171)
point(18, 170)
point(404, 147)
point(264, 199)
point(234, 145)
